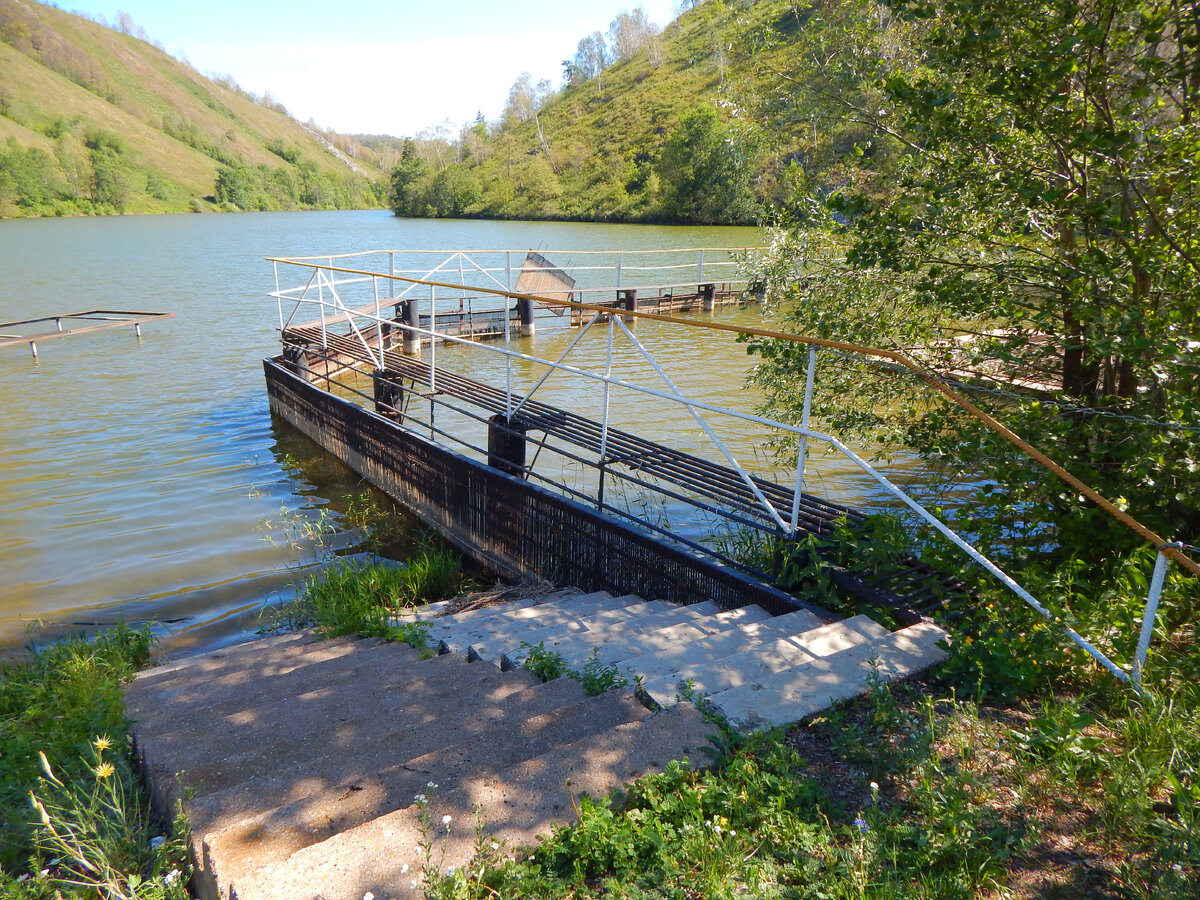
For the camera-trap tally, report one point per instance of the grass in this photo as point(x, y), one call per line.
point(596, 677)
point(74, 822)
point(911, 792)
point(357, 596)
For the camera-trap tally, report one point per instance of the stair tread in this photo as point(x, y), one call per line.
point(257, 841)
point(752, 665)
point(668, 660)
point(223, 692)
point(258, 740)
point(805, 689)
point(516, 805)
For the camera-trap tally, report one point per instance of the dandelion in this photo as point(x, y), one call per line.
point(861, 825)
point(105, 770)
point(102, 743)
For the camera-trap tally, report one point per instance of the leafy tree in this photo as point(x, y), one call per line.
point(407, 182)
point(630, 32)
point(1039, 192)
point(702, 172)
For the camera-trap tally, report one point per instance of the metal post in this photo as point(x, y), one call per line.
point(378, 318)
point(507, 328)
point(1143, 644)
point(321, 303)
point(58, 323)
point(708, 297)
point(33, 349)
point(137, 329)
point(278, 298)
point(620, 262)
point(604, 420)
point(700, 268)
point(802, 453)
point(432, 357)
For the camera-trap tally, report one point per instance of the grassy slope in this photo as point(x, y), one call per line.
point(142, 86)
point(597, 130)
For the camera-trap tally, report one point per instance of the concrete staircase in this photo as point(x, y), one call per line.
point(304, 761)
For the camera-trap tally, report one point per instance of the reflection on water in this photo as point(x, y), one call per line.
point(137, 475)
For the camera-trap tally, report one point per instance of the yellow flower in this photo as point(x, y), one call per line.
point(102, 743)
point(105, 770)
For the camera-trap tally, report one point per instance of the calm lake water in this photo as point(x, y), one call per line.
point(144, 478)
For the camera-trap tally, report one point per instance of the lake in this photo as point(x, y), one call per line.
point(143, 479)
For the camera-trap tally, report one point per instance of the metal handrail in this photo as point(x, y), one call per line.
point(1166, 551)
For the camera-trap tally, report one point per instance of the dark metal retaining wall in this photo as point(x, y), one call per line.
point(510, 524)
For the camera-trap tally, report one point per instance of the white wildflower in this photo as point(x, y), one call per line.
point(449, 871)
point(446, 820)
point(419, 798)
point(404, 869)
point(368, 896)
point(172, 876)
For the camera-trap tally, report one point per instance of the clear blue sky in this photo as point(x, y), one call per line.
point(376, 66)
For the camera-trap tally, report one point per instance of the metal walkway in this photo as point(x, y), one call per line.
point(910, 593)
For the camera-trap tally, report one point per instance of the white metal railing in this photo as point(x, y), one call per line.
point(327, 281)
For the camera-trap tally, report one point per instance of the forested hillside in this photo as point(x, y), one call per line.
point(99, 120)
point(646, 125)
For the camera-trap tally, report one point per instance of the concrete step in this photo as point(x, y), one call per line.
point(274, 650)
point(221, 694)
point(613, 644)
point(516, 804)
point(664, 661)
point(569, 617)
point(800, 691)
point(752, 665)
point(491, 646)
point(517, 610)
point(258, 841)
point(216, 752)
point(444, 609)
point(436, 721)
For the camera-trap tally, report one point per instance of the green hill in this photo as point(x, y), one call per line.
point(660, 134)
point(94, 121)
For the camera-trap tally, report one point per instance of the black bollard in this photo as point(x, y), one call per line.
point(506, 445)
point(412, 340)
point(628, 300)
point(525, 314)
point(708, 297)
point(389, 394)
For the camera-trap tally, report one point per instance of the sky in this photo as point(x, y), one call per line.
point(376, 66)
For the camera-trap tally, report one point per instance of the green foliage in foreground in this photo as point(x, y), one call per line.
point(73, 820)
point(897, 796)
